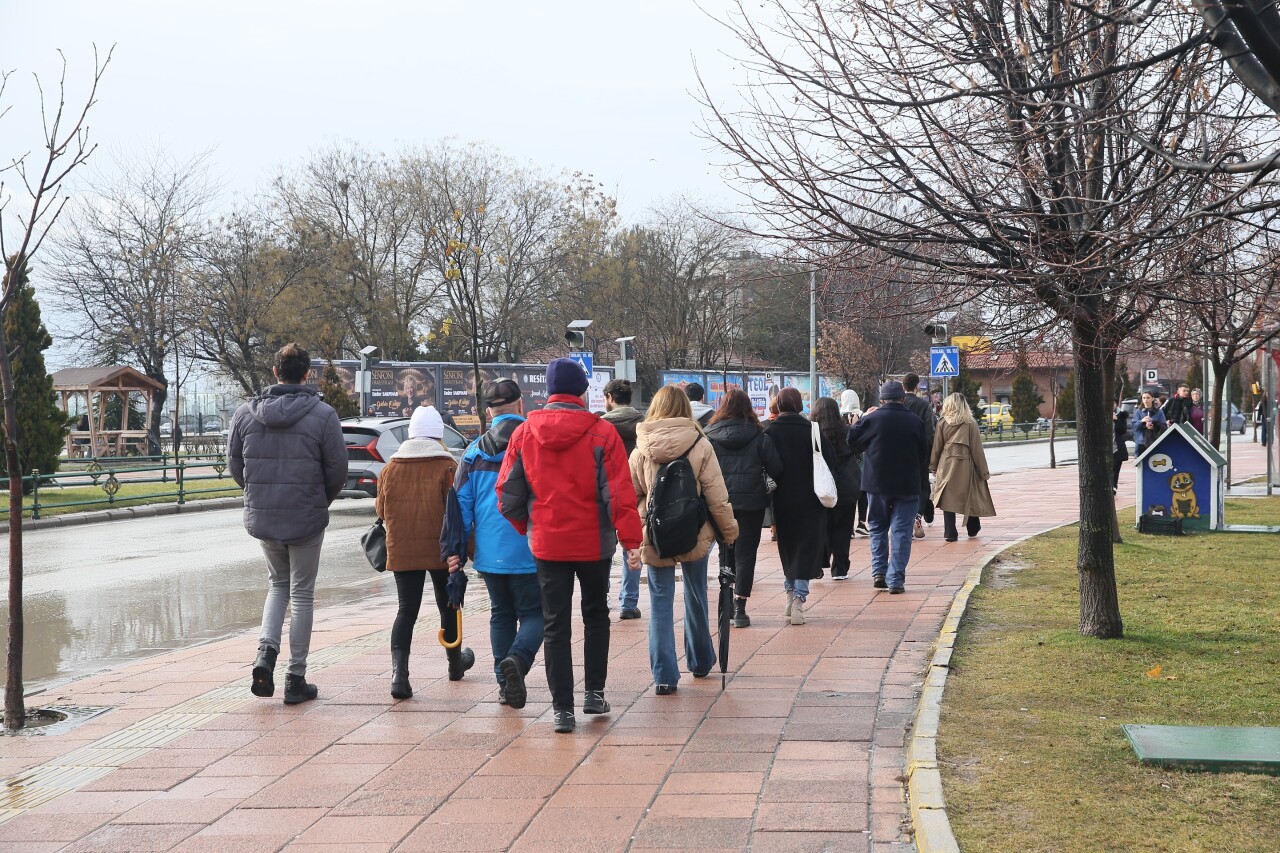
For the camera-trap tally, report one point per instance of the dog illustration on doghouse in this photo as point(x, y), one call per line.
point(1184, 504)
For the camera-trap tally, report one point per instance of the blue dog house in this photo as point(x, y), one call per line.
point(1181, 475)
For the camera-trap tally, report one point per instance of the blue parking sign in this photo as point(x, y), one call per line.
point(944, 361)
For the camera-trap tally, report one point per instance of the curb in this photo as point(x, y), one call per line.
point(925, 799)
point(74, 519)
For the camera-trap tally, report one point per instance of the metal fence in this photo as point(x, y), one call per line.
point(995, 432)
point(172, 477)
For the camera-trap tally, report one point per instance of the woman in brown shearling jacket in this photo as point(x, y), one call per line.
point(413, 494)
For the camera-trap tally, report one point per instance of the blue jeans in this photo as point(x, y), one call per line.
point(699, 653)
point(890, 521)
point(799, 587)
point(629, 589)
point(514, 598)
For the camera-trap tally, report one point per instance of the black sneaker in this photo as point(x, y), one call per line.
point(664, 689)
point(861, 529)
point(878, 582)
point(896, 590)
point(594, 703)
point(630, 613)
point(514, 674)
point(297, 690)
point(565, 723)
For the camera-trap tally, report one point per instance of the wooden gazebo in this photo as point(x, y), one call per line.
point(95, 385)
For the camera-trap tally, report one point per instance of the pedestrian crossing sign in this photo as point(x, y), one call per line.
point(944, 361)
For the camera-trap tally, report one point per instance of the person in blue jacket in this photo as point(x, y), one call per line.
point(502, 555)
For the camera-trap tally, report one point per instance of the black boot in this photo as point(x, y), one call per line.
point(264, 671)
point(460, 660)
point(972, 525)
point(400, 688)
point(740, 617)
point(297, 690)
point(949, 533)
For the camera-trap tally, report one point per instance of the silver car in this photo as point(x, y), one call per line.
point(370, 443)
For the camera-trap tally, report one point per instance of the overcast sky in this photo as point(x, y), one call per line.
point(598, 86)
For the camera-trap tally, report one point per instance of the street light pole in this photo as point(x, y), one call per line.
point(813, 338)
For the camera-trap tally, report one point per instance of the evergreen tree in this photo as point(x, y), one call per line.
point(1024, 402)
point(971, 390)
point(1067, 399)
point(41, 425)
point(332, 392)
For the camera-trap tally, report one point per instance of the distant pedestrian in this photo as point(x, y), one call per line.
point(285, 448)
point(1148, 423)
point(701, 411)
point(502, 555)
point(413, 494)
point(851, 411)
point(668, 433)
point(1260, 414)
point(960, 462)
point(1196, 416)
point(1177, 410)
point(620, 413)
point(1120, 448)
point(848, 476)
point(894, 454)
point(565, 482)
point(801, 519)
point(925, 412)
point(749, 463)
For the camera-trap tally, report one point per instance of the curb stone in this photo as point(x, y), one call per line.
point(72, 519)
point(925, 798)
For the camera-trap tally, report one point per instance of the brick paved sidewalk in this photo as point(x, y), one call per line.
point(803, 751)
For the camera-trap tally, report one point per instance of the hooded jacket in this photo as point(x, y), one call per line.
point(702, 413)
point(658, 442)
point(745, 454)
point(285, 449)
point(625, 419)
point(413, 494)
point(564, 482)
point(499, 548)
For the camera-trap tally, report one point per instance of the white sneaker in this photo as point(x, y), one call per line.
point(797, 612)
point(919, 531)
point(790, 598)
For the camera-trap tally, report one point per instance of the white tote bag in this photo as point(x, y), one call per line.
point(824, 485)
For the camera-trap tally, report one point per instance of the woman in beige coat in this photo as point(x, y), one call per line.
point(667, 433)
point(413, 490)
point(961, 467)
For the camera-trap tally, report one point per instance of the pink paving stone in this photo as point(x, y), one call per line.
point(602, 796)
point(248, 821)
point(811, 817)
point(706, 832)
point(703, 806)
point(478, 838)
point(713, 783)
point(131, 837)
point(355, 830)
point(95, 802)
point(141, 779)
point(62, 827)
point(460, 811)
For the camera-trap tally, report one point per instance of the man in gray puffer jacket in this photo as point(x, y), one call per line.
point(286, 450)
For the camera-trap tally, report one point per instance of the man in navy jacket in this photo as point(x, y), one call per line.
point(895, 458)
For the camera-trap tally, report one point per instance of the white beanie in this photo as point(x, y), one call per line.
point(426, 423)
point(849, 402)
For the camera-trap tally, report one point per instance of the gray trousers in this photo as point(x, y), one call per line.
point(292, 571)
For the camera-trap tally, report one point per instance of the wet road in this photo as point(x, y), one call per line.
point(103, 593)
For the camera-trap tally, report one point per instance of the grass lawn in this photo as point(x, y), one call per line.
point(1030, 745)
point(130, 494)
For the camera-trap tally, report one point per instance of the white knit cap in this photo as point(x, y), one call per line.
point(426, 423)
point(849, 402)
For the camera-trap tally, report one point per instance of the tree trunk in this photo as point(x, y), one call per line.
point(1219, 391)
point(1095, 561)
point(15, 710)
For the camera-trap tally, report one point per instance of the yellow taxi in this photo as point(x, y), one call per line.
point(995, 415)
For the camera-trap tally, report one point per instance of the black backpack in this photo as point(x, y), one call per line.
point(676, 510)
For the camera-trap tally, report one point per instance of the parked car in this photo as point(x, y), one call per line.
point(370, 443)
point(1237, 420)
point(995, 415)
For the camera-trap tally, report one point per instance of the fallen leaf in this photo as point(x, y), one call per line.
point(1155, 671)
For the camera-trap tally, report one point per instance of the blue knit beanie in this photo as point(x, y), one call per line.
point(566, 376)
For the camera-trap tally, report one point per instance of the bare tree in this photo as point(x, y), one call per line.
point(124, 259)
point(66, 146)
point(1005, 145)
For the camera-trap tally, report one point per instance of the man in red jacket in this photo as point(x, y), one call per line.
point(565, 482)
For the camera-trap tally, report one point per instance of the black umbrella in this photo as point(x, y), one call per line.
point(724, 606)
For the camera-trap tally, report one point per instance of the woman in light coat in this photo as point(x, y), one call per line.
point(413, 491)
point(668, 432)
point(960, 464)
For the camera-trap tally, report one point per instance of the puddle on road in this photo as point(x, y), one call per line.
point(103, 594)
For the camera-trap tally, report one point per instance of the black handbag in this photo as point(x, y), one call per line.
point(374, 542)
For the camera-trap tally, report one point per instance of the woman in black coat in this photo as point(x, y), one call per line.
point(746, 457)
point(848, 476)
point(801, 519)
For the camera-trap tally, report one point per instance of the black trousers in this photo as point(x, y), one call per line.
point(840, 520)
point(972, 525)
point(750, 526)
point(556, 580)
point(409, 588)
point(862, 507)
point(1117, 464)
